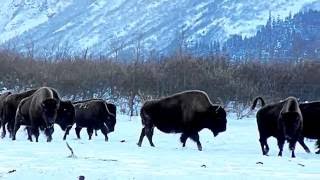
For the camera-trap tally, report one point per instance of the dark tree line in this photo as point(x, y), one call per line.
point(118, 81)
point(293, 38)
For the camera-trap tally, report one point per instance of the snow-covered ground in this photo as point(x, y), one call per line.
point(234, 154)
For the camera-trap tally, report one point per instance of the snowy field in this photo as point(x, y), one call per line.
point(234, 154)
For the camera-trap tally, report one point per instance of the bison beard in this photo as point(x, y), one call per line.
point(187, 112)
point(282, 120)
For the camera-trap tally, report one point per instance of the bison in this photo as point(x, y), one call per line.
point(39, 111)
point(10, 105)
point(186, 112)
point(94, 114)
point(2, 98)
point(311, 124)
point(282, 120)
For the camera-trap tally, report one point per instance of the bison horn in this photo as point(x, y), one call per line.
point(221, 101)
point(218, 108)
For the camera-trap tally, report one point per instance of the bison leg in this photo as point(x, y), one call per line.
point(3, 124)
point(96, 132)
point(292, 146)
point(66, 132)
point(305, 147)
point(149, 134)
point(280, 145)
point(183, 139)
point(104, 131)
point(78, 129)
point(10, 128)
point(16, 128)
point(29, 134)
point(195, 137)
point(90, 132)
point(264, 146)
point(36, 133)
point(48, 132)
point(143, 133)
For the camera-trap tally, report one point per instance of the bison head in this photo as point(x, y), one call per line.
point(111, 122)
point(219, 123)
point(291, 124)
point(49, 109)
point(66, 115)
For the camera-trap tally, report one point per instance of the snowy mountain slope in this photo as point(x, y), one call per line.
point(234, 154)
point(100, 25)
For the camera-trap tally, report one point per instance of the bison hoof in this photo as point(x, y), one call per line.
point(139, 144)
point(318, 152)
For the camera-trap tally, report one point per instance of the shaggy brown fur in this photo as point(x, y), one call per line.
point(187, 112)
point(281, 120)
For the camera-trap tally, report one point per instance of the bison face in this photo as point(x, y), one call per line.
point(66, 115)
point(49, 111)
point(220, 121)
point(111, 122)
point(291, 124)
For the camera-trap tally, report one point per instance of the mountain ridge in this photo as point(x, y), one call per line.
point(101, 26)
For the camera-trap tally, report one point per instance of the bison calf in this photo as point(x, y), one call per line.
point(187, 112)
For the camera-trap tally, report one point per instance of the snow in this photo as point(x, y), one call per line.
point(234, 154)
point(202, 19)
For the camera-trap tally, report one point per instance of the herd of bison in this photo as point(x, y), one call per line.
point(186, 112)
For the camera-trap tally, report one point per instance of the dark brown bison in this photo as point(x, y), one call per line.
point(2, 98)
point(94, 114)
point(66, 117)
point(38, 111)
point(10, 105)
point(282, 120)
point(311, 122)
point(187, 112)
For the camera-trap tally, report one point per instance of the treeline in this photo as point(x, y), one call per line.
point(295, 37)
point(116, 80)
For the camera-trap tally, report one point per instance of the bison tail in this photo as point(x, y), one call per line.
point(256, 101)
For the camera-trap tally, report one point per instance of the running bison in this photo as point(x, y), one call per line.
point(281, 120)
point(66, 117)
point(10, 105)
point(38, 111)
point(186, 112)
point(94, 114)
